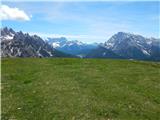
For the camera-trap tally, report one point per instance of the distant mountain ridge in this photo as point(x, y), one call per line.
point(130, 46)
point(18, 44)
point(73, 47)
point(120, 46)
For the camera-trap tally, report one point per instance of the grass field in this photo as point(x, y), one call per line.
point(80, 89)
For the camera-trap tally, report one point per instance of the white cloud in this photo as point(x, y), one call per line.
point(82, 38)
point(8, 13)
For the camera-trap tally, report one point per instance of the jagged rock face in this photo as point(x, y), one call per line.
point(18, 44)
point(7, 32)
point(132, 46)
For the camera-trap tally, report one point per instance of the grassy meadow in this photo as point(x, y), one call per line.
point(79, 89)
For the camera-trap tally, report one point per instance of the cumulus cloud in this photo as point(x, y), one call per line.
point(8, 13)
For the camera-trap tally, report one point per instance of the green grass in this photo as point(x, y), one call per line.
point(80, 89)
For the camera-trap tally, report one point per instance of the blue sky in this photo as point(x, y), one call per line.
point(87, 21)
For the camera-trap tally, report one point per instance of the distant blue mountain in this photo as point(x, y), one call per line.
point(73, 47)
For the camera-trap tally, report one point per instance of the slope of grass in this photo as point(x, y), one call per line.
point(80, 89)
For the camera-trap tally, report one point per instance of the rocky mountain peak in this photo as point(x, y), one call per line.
point(19, 44)
point(7, 31)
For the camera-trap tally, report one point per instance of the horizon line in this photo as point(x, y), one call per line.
point(72, 37)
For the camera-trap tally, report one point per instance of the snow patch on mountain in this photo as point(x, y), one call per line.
point(55, 45)
point(7, 37)
point(145, 52)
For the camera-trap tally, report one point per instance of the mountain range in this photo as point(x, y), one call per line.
point(18, 44)
point(73, 47)
point(120, 46)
